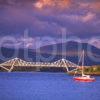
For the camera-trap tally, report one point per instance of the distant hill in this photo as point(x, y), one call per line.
point(72, 50)
point(69, 47)
point(71, 53)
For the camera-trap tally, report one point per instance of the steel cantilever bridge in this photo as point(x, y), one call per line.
point(17, 62)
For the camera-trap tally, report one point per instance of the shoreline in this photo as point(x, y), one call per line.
point(88, 70)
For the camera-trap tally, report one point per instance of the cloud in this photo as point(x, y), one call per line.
point(27, 42)
point(95, 41)
point(74, 23)
point(88, 17)
point(52, 3)
point(75, 17)
point(17, 3)
point(15, 21)
point(94, 5)
point(36, 42)
point(77, 20)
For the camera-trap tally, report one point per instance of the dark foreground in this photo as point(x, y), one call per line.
point(46, 86)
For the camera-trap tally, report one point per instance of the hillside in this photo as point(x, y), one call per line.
point(71, 53)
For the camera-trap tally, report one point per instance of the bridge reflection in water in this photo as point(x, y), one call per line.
point(17, 62)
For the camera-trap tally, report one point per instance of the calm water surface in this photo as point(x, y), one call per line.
point(46, 86)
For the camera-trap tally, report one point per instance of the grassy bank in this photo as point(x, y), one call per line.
point(90, 70)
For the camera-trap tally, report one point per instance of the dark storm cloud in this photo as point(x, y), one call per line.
point(80, 18)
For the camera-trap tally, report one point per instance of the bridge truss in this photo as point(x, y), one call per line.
point(17, 62)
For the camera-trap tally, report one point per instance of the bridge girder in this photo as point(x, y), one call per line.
point(21, 63)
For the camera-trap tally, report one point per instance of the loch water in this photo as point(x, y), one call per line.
point(46, 86)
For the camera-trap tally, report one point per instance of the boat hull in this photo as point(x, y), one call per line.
point(82, 79)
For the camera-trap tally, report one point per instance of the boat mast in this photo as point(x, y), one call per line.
point(83, 63)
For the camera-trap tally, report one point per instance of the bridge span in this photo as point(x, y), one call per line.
point(17, 62)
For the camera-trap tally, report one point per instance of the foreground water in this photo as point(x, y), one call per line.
point(46, 86)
